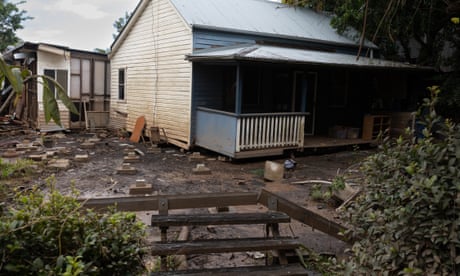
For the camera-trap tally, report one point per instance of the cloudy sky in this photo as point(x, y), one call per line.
point(78, 24)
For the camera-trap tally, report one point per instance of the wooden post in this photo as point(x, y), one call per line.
point(239, 90)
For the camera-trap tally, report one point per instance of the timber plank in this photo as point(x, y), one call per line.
point(219, 219)
point(290, 269)
point(303, 215)
point(136, 135)
point(223, 246)
point(147, 203)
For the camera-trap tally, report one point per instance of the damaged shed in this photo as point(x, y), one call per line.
point(82, 74)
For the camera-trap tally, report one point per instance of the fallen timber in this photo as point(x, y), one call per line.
point(163, 203)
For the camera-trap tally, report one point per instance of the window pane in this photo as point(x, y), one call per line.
point(75, 66)
point(75, 87)
point(51, 74)
point(99, 78)
point(86, 76)
point(108, 80)
point(121, 84)
point(62, 78)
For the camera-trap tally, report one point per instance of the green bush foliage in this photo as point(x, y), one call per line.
point(19, 168)
point(408, 219)
point(53, 235)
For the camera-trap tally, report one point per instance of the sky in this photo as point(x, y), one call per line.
point(78, 24)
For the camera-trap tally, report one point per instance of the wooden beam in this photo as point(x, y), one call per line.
point(223, 246)
point(219, 219)
point(147, 203)
point(301, 214)
point(290, 269)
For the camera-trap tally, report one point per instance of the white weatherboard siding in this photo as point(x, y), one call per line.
point(53, 61)
point(158, 78)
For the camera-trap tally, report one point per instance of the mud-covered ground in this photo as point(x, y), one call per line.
point(169, 170)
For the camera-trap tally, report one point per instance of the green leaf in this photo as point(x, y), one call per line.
point(62, 96)
point(12, 74)
point(60, 261)
point(50, 105)
point(37, 264)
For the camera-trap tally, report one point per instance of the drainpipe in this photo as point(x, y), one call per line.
point(239, 90)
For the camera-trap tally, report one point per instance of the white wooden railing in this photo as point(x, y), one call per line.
point(229, 133)
point(270, 130)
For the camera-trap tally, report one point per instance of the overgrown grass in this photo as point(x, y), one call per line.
point(20, 168)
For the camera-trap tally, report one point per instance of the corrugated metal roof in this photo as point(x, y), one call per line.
point(261, 16)
point(291, 55)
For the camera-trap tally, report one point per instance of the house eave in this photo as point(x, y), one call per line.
point(281, 55)
point(278, 36)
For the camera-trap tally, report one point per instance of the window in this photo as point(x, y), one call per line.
point(60, 76)
point(121, 84)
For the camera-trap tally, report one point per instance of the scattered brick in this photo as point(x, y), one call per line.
point(81, 157)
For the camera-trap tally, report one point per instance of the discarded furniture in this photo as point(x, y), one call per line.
point(373, 125)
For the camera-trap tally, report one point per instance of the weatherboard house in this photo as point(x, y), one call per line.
point(248, 78)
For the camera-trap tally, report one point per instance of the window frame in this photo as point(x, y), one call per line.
point(54, 73)
point(122, 84)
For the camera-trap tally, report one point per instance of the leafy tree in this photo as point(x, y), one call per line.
point(10, 21)
point(408, 219)
point(120, 23)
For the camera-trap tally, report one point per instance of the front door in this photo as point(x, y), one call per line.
point(304, 97)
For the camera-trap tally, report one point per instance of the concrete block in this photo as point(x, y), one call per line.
point(11, 153)
point(37, 157)
point(140, 188)
point(50, 154)
point(26, 147)
point(126, 168)
point(62, 164)
point(132, 157)
point(196, 156)
point(87, 145)
point(154, 149)
point(81, 157)
point(222, 158)
point(273, 171)
point(201, 169)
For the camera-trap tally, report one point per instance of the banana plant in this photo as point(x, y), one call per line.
point(17, 77)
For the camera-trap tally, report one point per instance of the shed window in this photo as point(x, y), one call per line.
point(60, 76)
point(121, 84)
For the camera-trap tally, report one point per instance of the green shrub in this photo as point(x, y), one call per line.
point(408, 219)
point(21, 167)
point(52, 235)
